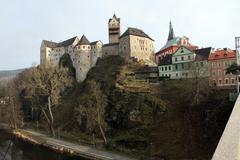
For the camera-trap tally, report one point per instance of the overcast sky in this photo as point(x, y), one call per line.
point(25, 23)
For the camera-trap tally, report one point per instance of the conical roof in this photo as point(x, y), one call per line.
point(84, 41)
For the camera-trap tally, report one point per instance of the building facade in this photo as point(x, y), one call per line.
point(133, 43)
point(219, 61)
point(172, 45)
point(200, 68)
point(114, 29)
point(165, 67)
point(83, 54)
point(182, 62)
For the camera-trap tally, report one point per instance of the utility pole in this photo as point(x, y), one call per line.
point(237, 47)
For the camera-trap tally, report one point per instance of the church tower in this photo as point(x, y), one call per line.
point(171, 34)
point(114, 29)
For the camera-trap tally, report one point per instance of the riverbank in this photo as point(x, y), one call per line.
point(63, 146)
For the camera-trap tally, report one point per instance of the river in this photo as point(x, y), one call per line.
point(13, 149)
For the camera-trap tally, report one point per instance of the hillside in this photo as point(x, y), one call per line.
point(168, 120)
point(160, 132)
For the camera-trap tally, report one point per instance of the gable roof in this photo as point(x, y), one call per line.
point(84, 41)
point(166, 60)
point(182, 47)
point(115, 17)
point(222, 54)
point(202, 54)
point(94, 43)
point(67, 42)
point(135, 32)
point(50, 44)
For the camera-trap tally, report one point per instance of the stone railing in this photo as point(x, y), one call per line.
point(229, 145)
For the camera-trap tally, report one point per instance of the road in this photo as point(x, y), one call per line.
point(76, 149)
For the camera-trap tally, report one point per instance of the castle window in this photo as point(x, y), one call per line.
point(232, 81)
point(219, 73)
point(214, 82)
point(182, 58)
point(175, 59)
point(189, 57)
point(83, 46)
point(226, 81)
point(220, 81)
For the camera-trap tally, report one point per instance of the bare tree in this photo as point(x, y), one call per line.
point(92, 108)
point(45, 86)
point(199, 80)
point(11, 109)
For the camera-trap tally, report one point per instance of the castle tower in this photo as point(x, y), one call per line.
point(171, 34)
point(114, 29)
point(82, 58)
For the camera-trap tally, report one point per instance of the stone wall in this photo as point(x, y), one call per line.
point(137, 47)
point(110, 49)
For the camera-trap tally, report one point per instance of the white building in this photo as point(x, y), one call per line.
point(133, 43)
point(83, 54)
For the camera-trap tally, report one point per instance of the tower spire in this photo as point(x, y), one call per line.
point(171, 34)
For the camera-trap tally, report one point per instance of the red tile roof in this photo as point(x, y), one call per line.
point(222, 54)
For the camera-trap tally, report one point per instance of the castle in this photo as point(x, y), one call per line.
point(133, 43)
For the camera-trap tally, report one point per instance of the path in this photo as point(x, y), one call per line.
point(76, 149)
